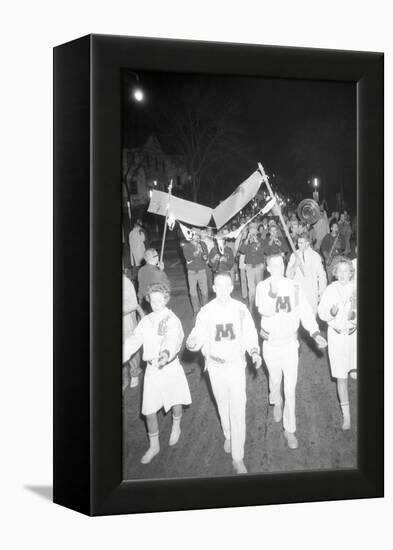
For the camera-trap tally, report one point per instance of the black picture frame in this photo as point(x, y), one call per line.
point(87, 274)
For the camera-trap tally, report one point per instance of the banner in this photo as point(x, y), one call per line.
point(186, 211)
point(188, 234)
point(238, 200)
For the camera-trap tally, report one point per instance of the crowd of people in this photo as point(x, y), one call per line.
point(309, 279)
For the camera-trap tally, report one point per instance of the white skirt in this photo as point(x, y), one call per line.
point(342, 353)
point(165, 387)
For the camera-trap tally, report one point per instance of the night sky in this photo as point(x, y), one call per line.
point(298, 129)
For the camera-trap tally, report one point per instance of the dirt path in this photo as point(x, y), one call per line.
point(199, 452)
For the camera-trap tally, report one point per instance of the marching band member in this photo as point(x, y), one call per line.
point(313, 278)
point(196, 255)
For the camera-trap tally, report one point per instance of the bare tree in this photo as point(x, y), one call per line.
point(201, 126)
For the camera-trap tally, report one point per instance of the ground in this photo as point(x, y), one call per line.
point(199, 452)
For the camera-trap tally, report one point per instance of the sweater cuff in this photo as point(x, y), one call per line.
point(315, 334)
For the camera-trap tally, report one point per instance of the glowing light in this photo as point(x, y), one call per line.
point(150, 193)
point(138, 94)
point(155, 183)
point(315, 182)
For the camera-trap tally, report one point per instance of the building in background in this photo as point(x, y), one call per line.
point(148, 167)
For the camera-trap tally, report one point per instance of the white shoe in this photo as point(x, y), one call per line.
point(346, 416)
point(153, 450)
point(227, 446)
point(175, 434)
point(150, 454)
point(239, 466)
point(346, 424)
point(134, 381)
point(291, 440)
point(277, 412)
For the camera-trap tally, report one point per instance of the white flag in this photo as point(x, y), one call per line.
point(187, 211)
point(239, 198)
point(171, 220)
point(220, 244)
point(186, 232)
point(268, 206)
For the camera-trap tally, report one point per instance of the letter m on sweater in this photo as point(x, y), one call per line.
point(224, 332)
point(283, 304)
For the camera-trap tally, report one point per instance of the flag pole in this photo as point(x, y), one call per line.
point(284, 226)
point(166, 219)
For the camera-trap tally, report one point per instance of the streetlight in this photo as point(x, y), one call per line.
point(138, 94)
point(137, 91)
point(315, 194)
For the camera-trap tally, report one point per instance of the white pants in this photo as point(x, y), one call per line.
point(229, 387)
point(283, 360)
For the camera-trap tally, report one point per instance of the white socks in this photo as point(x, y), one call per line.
point(277, 412)
point(291, 440)
point(153, 450)
point(175, 433)
point(346, 415)
point(239, 466)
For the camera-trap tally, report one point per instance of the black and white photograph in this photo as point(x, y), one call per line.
point(188, 190)
point(239, 240)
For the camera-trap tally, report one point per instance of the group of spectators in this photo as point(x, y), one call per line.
point(245, 255)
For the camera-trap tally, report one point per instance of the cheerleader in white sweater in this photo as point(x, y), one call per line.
point(165, 384)
point(283, 305)
point(338, 308)
point(224, 331)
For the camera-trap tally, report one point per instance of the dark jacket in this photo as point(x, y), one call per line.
point(224, 262)
point(254, 252)
point(331, 248)
point(148, 275)
point(276, 247)
point(195, 255)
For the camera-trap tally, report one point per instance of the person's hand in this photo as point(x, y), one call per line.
point(163, 358)
point(334, 310)
point(216, 257)
point(320, 341)
point(141, 313)
point(257, 360)
point(273, 288)
point(191, 343)
point(161, 265)
point(264, 334)
point(351, 315)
